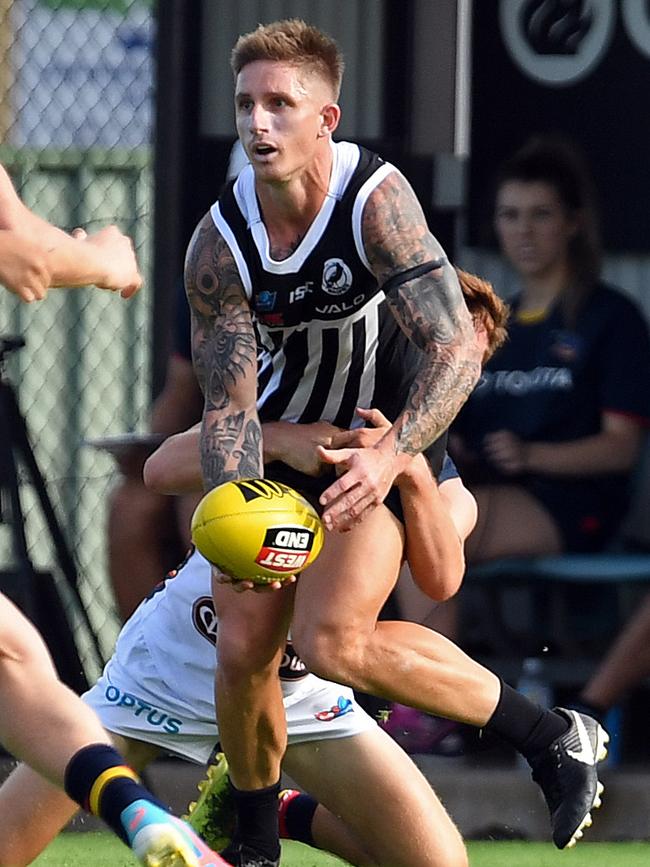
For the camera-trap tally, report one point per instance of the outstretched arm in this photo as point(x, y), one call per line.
point(36, 256)
point(437, 519)
point(224, 353)
point(424, 295)
point(24, 268)
point(175, 466)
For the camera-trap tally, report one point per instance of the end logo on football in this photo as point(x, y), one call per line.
point(285, 549)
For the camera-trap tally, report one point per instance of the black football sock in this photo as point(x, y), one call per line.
point(523, 724)
point(99, 781)
point(296, 816)
point(257, 820)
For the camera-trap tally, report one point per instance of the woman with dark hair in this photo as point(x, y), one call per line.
point(552, 431)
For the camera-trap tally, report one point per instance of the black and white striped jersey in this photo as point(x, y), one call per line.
point(327, 340)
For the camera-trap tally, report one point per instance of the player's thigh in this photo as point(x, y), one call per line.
point(412, 603)
point(33, 810)
point(381, 796)
point(511, 522)
point(352, 578)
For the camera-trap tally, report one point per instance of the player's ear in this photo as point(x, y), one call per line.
point(330, 117)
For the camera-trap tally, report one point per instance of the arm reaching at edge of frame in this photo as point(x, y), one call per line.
point(36, 256)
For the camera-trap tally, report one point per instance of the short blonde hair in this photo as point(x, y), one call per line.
point(291, 41)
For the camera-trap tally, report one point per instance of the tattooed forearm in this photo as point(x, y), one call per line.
point(433, 403)
point(224, 352)
point(249, 452)
point(430, 309)
point(432, 312)
point(230, 448)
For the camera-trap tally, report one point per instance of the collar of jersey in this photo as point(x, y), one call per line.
point(345, 157)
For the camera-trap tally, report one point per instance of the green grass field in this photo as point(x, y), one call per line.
point(104, 850)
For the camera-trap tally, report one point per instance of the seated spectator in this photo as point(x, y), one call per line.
point(143, 526)
point(549, 437)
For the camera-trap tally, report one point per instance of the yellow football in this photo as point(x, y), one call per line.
point(257, 530)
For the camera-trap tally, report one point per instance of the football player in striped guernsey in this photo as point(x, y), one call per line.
point(311, 281)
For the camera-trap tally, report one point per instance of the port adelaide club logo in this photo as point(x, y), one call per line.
point(337, 277)
point(286, 548)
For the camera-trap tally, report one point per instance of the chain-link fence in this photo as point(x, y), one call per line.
point(76, 79)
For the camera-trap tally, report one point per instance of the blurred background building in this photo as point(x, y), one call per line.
point(121, 111)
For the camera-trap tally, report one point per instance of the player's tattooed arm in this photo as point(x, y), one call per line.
point(224, 353)
point(429, 308)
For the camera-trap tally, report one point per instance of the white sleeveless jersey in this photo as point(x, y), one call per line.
point(178, 625)
point(323, 325)
point(327, 340)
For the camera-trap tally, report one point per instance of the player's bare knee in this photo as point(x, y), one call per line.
point(233, 664)
point(242, 654)
point(331, 654)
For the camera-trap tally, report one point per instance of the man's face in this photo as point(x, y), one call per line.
point(278, 110)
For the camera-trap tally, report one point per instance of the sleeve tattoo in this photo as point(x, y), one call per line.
point(430, 310)
point(224, 353)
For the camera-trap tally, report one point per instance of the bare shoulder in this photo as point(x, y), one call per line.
point(395, 231)
point(211, 275)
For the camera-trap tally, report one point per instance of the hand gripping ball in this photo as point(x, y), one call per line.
point(257, 530)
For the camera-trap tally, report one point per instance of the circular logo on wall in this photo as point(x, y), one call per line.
point(636, 16)
point(557, 42)
point(337, 277)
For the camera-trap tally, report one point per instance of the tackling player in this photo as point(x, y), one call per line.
point(156, 695)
